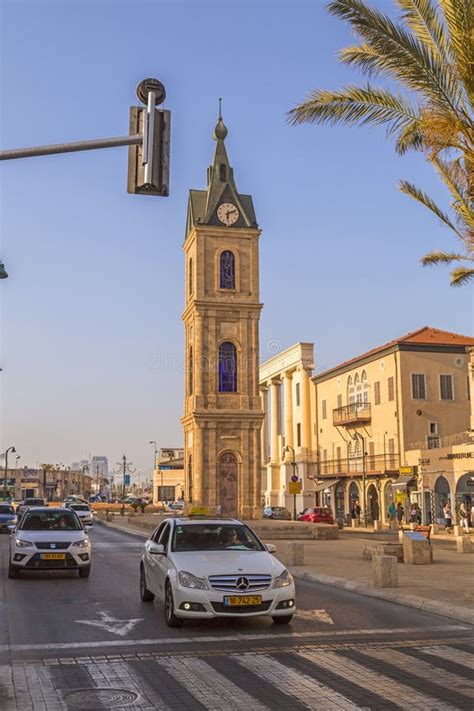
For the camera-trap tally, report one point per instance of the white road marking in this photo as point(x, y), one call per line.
point(34, 687)
point(423, 670)
point(466, 659)
point(401, 695)
point(315, 615)
point(208, 686)
point(306, 689)
point(268, 637)
point(122, 675)
point(6, 686)
point(112, 624)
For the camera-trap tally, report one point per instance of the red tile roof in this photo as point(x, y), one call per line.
point(423, 336)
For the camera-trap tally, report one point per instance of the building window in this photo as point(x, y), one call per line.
point(371, 462)
point(365, 388)
point(446, 387)
point(418, 386)
point(339, 401)
point(468, 389)
point(298, 434)
point(190, 372)
point(223, 172)
point(190, 277)
point(227, 368)
point(377, 393)
point(391, 389)
point(324, 410)
point(432, 441)
point(298, 396)
point(433, 428)
point(350, 391)
point(227, 270)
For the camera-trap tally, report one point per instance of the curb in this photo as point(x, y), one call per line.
point(453, 612)
point(135, 532)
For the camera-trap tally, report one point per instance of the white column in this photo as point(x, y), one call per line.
point(264, 431)
point(305, 409)
point(288, 406)
point(274, 407)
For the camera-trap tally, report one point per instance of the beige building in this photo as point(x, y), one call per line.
point(168, 476)
point(222, 409)
point(285, 387)
point(369, 412)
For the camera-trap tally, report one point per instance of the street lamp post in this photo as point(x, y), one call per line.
point(155, 451)
point(364, 496)
point(13, 450)
point(3, 271)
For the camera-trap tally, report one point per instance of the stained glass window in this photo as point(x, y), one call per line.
point(227, 270)
point(227, 368)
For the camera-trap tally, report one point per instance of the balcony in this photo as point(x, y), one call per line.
point(356, 413)
point(354, 466)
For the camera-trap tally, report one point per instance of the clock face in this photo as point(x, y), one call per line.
point(227, 213)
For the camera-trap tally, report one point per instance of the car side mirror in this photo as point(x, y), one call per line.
point(87, 527)
point(270, 547)
point(155, 548)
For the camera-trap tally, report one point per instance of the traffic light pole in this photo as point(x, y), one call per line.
point(33, 151)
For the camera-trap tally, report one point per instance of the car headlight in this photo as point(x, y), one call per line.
point(283, 580)
point(20, 543)
point(83, 543)
point(188, 580)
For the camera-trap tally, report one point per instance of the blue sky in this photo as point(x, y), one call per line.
point(92, 341)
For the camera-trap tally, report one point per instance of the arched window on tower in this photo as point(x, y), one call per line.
point(223, 172)
point(190, 276)
point(227, 270)
point(190, 371)
point(227, 368)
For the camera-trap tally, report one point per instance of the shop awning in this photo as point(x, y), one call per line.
point(326, 484)
point(402, 482)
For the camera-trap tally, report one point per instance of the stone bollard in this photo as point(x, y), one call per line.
point(384, 571)
point(393, 526)
point(400, 536)
point(463, 544)
point(416, 549)
point(459, 531)
point(295, 553)
point(377, 525)
point(355, 523)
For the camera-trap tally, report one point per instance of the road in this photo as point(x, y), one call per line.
point(70, 643)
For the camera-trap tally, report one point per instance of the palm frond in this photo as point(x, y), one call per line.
point(410, 138)
point(406, 58)
point(459, 15)
point(422, 17)
point(434, 258)
point(355, 105)
point(461, 276)
point(420, 196)
point(457, 190)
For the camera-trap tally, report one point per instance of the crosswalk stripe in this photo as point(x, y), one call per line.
point(123, 675)
point(294, 683)
point(208, 686)
point(7, 700)
point(423, 670)
point(389, 689)
point(466, 659)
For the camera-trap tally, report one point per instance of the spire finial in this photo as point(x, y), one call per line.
point(220, 131)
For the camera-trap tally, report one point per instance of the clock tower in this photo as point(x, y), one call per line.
point(222, 408)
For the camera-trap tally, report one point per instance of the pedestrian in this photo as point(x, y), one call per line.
point(399, 514)
point(448, 516)
point(472, 515)
point(353, 511)
point(358, 511)
point(413, 513)
point(392, 511)
point(463, 516)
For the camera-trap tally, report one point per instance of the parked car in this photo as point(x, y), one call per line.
point(7, 517)
point(279, 512)
point(27, 503)
point(83, 511)
point(205, 568)
point(50, 539)
point(316, 514)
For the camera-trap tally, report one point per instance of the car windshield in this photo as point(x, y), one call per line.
point(6, 510)
point(279, 508)
point(34, 502)
point(80, 507)
point(50, 521)
point(214, 537)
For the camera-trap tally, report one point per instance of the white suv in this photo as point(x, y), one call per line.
point(214, 568)
point(50, 539)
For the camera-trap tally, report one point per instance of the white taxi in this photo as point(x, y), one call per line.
point(205, 568)
point(49, 539)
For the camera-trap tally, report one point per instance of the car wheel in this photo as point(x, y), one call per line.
point(13, 572)
point(170, 617)
point(85, 572)
point(145, 594)
point(283, 620)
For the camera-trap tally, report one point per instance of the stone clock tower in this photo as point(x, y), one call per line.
point(222, 409)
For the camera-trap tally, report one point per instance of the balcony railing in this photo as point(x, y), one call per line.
point(352, 414)
point(353, 466)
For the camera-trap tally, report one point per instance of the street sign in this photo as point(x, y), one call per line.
point(126, 480)
point(294, 477)
point(294, 487)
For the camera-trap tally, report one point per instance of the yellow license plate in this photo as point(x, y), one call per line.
point(237, 600)
point(53, 556)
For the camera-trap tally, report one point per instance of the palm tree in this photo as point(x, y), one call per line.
point(428, 57)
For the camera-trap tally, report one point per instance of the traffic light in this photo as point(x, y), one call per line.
point(149, 163)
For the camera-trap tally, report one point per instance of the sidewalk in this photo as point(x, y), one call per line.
point(446, 587)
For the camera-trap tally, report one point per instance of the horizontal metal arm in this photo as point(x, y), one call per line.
point(134, 140)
